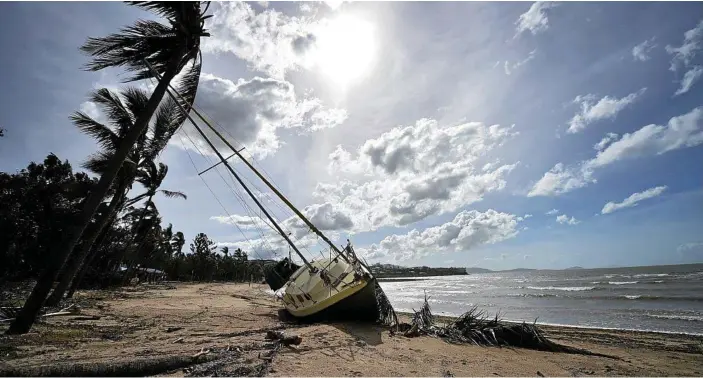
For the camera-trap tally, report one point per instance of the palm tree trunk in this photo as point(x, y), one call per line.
point(131, 243)
point(86, 263)
point(71, 268)
point(25, 319)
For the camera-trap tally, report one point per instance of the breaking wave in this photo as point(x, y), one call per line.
point(565, 288)
point(690, 318)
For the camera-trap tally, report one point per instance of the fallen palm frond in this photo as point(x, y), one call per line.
point(386, 313)
point(475, 327)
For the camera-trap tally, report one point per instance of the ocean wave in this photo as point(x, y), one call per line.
point(651, 275)
point(654, 298)
point(564, 288)
point(690, 318)
point(622, 282)
point(534, 295)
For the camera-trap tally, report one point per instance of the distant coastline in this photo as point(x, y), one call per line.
point(382, 271)
point(390, 272)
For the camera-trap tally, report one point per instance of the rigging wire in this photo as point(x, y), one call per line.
point(223, 206)
point(246, 208)
point(287, 212)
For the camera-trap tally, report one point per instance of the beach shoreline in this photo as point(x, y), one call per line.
point(150, 322)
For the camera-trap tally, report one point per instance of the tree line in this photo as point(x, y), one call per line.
point(60, 223)
point(38, 202)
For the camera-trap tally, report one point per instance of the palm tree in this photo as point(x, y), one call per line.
point(169, 49)
point(120, 111)
point(151, 177)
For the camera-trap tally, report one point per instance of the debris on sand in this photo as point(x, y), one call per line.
point(475, 327)
point(283, 339)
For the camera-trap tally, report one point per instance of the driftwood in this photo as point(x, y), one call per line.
point(12, 312)
point(475, 327)
point(133, 368)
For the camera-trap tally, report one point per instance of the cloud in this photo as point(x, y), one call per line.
point(535, 19)
point(251, 112)
point(633, 199)
point(468, 230)
point(682, 131)
point(683, 54)
point(244, 222)
point(91, 110)
point(607, 139)
point(564, 219)
point(509, 68)
point(690, 246)
point(689, 78)
point(552, 212)
point(641, 51)
point(412, 172)
point(606, 108)
point(265, 40)
point(559, 180)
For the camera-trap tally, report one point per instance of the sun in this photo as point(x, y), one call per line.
point(345, 49)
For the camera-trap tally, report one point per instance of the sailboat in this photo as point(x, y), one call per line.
point(334, 287)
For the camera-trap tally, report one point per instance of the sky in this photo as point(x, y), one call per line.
point(497, 135)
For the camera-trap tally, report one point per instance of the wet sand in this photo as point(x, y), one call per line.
point(151, 322)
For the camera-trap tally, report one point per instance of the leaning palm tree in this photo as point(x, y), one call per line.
point(120, 110)
point(151, 177)
point(168, 49)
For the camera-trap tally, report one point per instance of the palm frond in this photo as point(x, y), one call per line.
point(136, 100)
point(98, 162)
point(107, 139)
point(167, 9)
point(132, 45)
point(146, 174)
point(169, 117)
point(173, 194)
point(114, 109)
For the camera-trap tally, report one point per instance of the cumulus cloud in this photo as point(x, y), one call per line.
point(552, 212)
point(560, 180)
point(267, 242)
point(412, 172)
point(508, 68)
point(641, 51)
point(605, 108)
point(689, 78)
point(681, 131)
point(535, 19)
point(683, 54)
point(633, 199)
point(269, 41)
point(251, 112)
point(564, 219)
point(468, 230)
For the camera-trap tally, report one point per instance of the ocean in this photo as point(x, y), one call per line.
point(653, 298)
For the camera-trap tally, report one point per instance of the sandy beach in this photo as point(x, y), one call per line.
point(223, 326)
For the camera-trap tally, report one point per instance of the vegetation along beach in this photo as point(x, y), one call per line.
point(351, 189)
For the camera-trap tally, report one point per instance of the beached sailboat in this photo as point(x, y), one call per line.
point(340, 286)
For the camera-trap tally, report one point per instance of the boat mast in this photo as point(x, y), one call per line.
point(273, 188)
point(231, 170)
